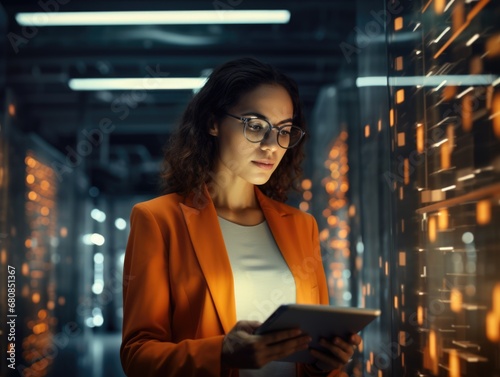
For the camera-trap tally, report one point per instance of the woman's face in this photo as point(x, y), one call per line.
point(253, 162)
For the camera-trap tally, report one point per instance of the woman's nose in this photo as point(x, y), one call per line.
point(270, 140)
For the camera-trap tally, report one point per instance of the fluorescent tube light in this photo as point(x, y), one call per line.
point(435, 145)
point(466, 177)
point(163, 83)
point(472, 40)
point(435, 80)
point(448, 5)
point(372, 81)
point(469, 89)
point(441, 35)
point(271, 16)
point(440, 86)
point(448, 188)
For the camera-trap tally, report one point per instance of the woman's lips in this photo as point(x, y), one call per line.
point(264, 165)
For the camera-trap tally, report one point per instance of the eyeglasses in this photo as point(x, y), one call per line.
point(257, 129)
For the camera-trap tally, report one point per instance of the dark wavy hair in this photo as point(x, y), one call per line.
point(191, 152)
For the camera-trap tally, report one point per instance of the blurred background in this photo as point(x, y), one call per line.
point(402, 172)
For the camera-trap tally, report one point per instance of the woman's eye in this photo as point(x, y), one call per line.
point(285, 132)
point(255, 126)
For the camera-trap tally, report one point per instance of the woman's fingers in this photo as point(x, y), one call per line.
point(280, 344)
point(279, 336)
point(337, 352)
point(284, 348)
point(241, 348)
point(248, 326)
point(338, 348)
point(326, 361)
point(356, 340)
point(292, 343)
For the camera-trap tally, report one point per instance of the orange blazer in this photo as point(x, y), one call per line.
point(178, 294)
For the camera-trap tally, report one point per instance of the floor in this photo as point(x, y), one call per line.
point(94, 355)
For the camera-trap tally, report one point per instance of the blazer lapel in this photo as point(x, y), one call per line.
point(206, 237)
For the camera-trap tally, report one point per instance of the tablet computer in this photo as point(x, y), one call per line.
point(319, 321)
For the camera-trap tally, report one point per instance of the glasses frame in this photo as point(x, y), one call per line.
point(246, 119)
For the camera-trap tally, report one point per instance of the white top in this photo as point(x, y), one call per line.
point(262, 281)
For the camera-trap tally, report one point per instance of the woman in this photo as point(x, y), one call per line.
point(208, 261)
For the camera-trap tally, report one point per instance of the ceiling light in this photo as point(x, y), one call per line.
point(271, 16)
point(157, 83)
point(434, 80)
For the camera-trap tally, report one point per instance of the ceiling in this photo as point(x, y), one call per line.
point(40, 65)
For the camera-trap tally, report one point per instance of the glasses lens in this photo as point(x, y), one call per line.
point(256, 129)
point(289, 136)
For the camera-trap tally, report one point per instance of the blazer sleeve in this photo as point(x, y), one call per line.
point(147, 348)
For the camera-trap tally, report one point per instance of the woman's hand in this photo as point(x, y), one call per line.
point(242, 349)
point(337, 354)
